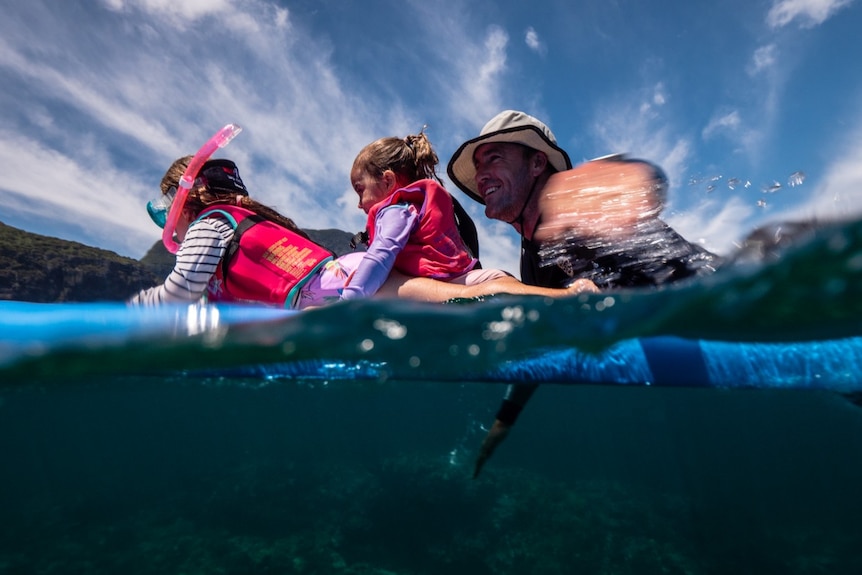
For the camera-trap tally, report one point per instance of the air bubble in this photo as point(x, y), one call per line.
point(390, 328)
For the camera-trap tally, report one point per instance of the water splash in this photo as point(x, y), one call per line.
point(797, 178)
point(710, 183)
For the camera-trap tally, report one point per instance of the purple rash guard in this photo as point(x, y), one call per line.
point(393, 227)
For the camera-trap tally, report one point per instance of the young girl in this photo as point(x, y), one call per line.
point(235, 249)
point(412, 228)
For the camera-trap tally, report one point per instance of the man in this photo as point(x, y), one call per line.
point(598, 222)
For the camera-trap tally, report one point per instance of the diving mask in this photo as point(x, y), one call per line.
point(160, 207)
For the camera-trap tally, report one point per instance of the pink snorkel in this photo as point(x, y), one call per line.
point(221, 139)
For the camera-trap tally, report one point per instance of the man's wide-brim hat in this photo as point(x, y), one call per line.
point(511, 127)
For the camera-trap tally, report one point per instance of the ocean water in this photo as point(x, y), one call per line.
point(342, 440)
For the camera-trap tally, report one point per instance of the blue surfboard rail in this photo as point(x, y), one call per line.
point(676, 362)
point(30, 330)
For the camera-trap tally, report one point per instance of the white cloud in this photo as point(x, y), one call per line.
point(725, 123)
point(746, 139)
point(47, 185)
point(153, 94)
point(838, 194)
point(464, 75)
point(531, 38)
point(173, 9)
point(479, 77)
point(89, 93)
point(302, 129)
point(716, 223)
point(471, 80)
point(639, 128)
point(810, 13)
point(764, 58)
point(659, 97)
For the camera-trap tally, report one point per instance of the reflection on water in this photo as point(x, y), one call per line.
point(166, 476)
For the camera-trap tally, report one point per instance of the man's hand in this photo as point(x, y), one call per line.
point(495, 437)
point(580, 286)
point(603, 198)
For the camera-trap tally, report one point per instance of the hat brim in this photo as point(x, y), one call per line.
point(462, 172)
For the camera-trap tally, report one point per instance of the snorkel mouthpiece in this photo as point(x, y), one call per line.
point(158, 208)
point(219, 140)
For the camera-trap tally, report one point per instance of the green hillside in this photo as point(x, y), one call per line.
point(39, 268)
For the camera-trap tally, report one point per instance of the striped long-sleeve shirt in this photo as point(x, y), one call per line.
point(198, 259)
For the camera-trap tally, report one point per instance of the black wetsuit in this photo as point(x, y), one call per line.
point(658, 257)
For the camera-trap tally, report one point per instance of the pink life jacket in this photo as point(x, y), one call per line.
point(435, 249)
point(264, 262)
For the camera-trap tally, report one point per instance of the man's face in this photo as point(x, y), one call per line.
point(503, 179)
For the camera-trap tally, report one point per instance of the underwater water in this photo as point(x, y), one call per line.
point(140, 475)
point(209, 453)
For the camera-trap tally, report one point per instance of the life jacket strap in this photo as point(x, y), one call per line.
point(233, 247)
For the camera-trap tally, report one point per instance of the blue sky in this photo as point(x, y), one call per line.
point(100, 96)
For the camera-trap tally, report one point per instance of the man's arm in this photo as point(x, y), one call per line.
point(517, 396)
point(605, 199)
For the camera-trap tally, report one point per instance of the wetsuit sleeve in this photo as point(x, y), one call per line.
point(392, 229)
point(517, 396)
point(197, 260)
